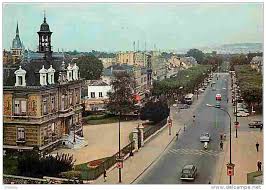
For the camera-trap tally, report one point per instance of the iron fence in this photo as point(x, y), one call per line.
point(153, 129)
point(94, 173)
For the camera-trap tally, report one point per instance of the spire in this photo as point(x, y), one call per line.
point(17, 31)
point(44, 17)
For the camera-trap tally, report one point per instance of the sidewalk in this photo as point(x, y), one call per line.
point(150, 153)
point(244, 153)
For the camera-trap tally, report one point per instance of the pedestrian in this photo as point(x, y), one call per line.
point(257, 146)
point(221, 136)
point(221, 145)
point(227, 100)
point(259, 165)
point(176, 135)
point(104, 175)
point(260, 128)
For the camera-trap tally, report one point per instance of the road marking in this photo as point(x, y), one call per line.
point(194, 152)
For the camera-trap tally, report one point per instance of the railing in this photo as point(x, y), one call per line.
point(94, 173)
point(153, 129)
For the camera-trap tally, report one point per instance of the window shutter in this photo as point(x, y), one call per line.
point(23, 106)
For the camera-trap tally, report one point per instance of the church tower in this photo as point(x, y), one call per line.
point(44, 38)
point(17, 47)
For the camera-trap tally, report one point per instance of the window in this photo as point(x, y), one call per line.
point(100, 94)
point(53, 128)
point(62, 102)
point(20, 133)
point(70, 98)
point(44, 103)
point(52, 103)
point(20, 80)
point(92, 94)
point(20, 107)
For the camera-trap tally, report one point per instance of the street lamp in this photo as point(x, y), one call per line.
point(230, 161)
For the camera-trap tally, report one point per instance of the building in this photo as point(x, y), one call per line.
point(17, 47)
point(140, 75)
point(108, 61)
point(96, 97)
point(42, 99)
point(133, 58)
point(125, 58)
point(257, 63)
point(7, 57)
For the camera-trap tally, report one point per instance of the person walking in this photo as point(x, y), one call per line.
point(259, 165)
point(221, 145)
point(176, 135)
point(104, 175)
point(257, 146)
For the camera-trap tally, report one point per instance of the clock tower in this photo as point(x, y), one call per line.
point(44, 38)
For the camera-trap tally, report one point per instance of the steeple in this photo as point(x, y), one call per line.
point(17, 31)
point(44, 17)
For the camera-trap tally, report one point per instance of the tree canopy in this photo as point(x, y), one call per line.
point(155, 111)
point(197, 54)
point(90, 67)
point(121, 98)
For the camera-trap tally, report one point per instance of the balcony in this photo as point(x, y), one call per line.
point(21, 140)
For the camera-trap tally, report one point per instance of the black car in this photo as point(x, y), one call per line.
point(189, 172)
point(256, 124)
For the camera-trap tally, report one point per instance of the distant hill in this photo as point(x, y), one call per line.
point(235, 48)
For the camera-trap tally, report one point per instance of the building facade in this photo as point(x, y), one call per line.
point(42, 99)
point(96, 97)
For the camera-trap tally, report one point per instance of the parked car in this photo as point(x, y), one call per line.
point(242, 114)
point(205, 137)
point(188, 172)
point(183, 106)
point(213, 89)
point(201, 90)
point(256, 124)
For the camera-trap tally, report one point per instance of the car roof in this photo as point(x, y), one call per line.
point(188, 166)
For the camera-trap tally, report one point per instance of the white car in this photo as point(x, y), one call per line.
point(242, 114)
point(206, 137)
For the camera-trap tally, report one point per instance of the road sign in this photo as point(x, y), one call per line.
point(230, 169)
point(237, 125)
point(119, 164)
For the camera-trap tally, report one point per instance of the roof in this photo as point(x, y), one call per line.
point(96, 83)
point(188, 166)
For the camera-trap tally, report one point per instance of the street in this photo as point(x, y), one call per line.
point(188, 149)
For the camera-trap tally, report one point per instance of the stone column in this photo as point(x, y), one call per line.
point(141, 129)
point(135, 138)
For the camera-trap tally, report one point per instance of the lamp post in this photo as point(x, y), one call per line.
point(119, 149)
point(230, 161)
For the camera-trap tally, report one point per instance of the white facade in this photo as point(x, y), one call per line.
point(98, 92)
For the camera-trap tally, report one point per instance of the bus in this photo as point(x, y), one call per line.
point(218, 97)
point(189, 98)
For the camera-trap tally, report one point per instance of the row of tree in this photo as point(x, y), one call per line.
point(185, 82)
point(250, 83)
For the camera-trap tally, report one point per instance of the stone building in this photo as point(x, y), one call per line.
point(42, 100)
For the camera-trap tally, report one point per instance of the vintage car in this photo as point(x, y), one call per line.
point(189, 172)
point(218, 105)
point(256, 124)
point(206, 137)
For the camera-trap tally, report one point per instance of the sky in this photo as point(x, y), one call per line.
point(115, 26)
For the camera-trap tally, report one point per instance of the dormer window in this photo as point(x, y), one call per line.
point(51, 72)
point(43, 74)
point(20, 77)
point(69, 73)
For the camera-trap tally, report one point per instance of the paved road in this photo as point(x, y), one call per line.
point(188, 149)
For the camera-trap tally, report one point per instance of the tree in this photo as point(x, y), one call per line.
point(90, 67)
point(155, 111)
point(197, 54)
point(121, 98)
point(33, 165)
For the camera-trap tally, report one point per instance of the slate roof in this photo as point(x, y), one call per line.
point(32, 67)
